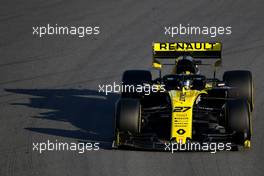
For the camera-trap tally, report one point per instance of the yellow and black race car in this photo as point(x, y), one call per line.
point(184, 106)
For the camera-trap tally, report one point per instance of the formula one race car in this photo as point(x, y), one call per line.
point(184, 106)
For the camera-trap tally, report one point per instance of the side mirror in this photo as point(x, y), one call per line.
point(156, 65)
point(218, 63)
point(197, 62)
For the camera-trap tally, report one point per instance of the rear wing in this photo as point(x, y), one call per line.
point(195, 50)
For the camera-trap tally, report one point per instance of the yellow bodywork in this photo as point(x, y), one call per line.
point(182, 102)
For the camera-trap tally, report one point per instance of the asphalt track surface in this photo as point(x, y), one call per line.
point(49, 86)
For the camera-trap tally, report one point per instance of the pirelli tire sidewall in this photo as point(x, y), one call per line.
point(128, 115)
point(243, 82)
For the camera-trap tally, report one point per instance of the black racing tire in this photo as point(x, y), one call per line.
point(242, 79)
point(134, 78)
point(238, 120)
point(128, 115)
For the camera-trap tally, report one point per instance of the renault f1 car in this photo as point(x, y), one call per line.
point(188, 106)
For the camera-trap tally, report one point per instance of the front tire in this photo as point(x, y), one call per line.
point(128, 115)
point(238, 120)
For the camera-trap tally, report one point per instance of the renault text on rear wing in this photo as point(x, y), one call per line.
point(195, 50)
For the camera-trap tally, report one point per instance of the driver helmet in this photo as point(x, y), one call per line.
point(186, 65)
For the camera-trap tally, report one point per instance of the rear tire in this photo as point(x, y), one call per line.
point(134, 78)
point(128, 115)
point(242, 79)
point(238, 120)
